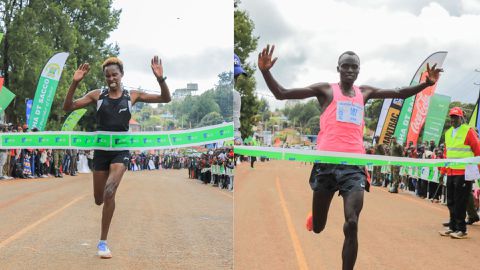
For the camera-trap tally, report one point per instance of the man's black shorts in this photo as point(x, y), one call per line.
point(102, 159)
point(333, 177)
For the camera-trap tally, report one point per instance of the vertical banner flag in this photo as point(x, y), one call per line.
point(474, 119)
point(28, 107)
point(73, 119)
point(396, 118)
point(437, 111)
point(381, 119)
point(6, 96)
point(47, 85)
point(391, 120)
point(420, 109)
point(403, 122)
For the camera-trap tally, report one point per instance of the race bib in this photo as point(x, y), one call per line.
point(349, 112)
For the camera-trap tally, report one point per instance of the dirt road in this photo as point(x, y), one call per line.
point(397, 231)
point(163, 220)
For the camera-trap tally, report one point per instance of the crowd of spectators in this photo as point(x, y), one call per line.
point(396, 177)
point(213, 167)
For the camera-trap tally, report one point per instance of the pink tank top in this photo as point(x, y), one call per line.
point(341, 124)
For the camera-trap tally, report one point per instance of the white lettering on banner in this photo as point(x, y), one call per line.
point(43, 91)
point(422, 107)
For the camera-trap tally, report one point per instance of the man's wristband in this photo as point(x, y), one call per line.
point(162, 79)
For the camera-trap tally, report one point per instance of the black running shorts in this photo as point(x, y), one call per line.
point(102, 159)
point(333, 177)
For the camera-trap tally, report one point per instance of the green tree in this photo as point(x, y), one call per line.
point(223, 95)
point(244, 44)
point(37, 29)
point(313, 125)
point(264, 109)
point(213, 118)
point(300, 113)
point(372, 113)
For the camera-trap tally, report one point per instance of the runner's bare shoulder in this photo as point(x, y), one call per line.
point(321, 89)
point(94, 95)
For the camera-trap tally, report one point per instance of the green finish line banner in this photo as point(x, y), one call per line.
point(118, 140)
point(346, 158)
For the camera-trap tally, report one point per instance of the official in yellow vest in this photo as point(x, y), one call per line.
point(461, 141)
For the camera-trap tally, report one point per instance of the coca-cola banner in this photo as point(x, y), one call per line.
point(408, 109)
point(420, 110)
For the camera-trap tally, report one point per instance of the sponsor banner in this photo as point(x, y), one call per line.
point(118, 140)
point(348, 158)
point(73, 119)
point(474, 119)
point(381, 118)
point(391, 120)
point(6, 96)
point(46, 88)
point(28, 107)
point(435, 120)
point(420, 109)
point(403, 122)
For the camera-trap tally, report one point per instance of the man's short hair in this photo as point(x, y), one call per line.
point(113, 61)
point(349, 53)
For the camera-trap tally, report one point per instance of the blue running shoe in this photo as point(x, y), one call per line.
point(103, 250)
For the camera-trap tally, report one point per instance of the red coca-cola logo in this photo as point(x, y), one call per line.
point(421, 105)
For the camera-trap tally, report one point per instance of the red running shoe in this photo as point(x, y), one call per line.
point(309, 223)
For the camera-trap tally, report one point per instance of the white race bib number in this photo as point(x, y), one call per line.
point(349, 112)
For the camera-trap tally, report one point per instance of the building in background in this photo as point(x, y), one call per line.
point(184, 92)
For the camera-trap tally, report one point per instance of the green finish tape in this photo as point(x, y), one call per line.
point(346, 158)
point(118, 140)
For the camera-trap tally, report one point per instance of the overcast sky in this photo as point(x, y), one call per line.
point(392, 38)
point(193, 38)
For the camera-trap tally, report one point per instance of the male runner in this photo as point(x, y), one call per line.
point(341, 130)
point(113, 114)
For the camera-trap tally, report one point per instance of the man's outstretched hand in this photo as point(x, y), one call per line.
point(265, 61)
point(433, 74)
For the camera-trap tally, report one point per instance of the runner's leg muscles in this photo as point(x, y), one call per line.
point(115, 176)
point(320, 205)
point(99, 181)
point(352, 203)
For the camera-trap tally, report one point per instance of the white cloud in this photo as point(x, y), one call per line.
point(392, 38)
point(193, 38)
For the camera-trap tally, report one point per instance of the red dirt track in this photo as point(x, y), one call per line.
point(163, 220)
point(396, 231)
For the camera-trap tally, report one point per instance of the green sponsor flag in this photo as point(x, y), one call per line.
point(47, 85)
point(437, 111)
point(474, 117)
point(73, 119)
point(6, 96)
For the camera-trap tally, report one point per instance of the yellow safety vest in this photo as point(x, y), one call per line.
point(456, 147)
